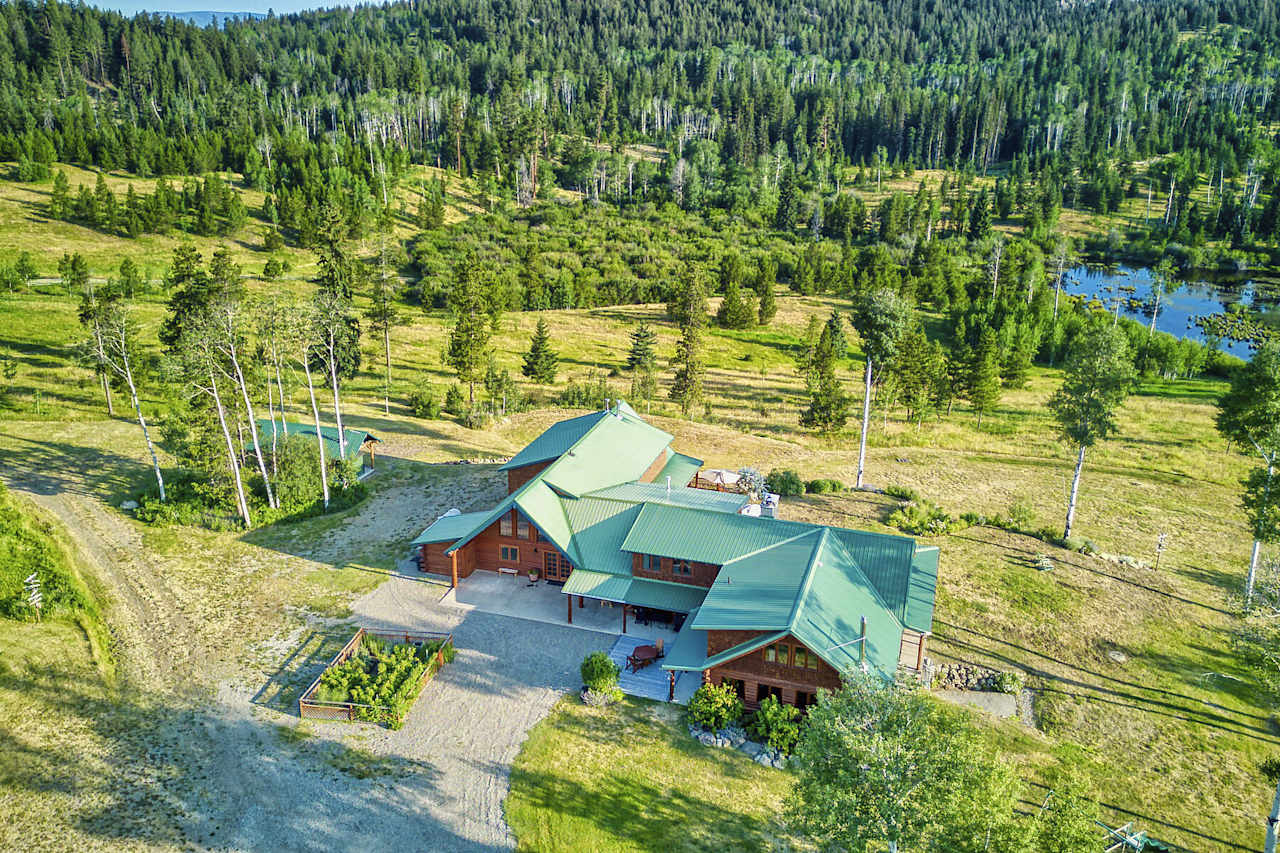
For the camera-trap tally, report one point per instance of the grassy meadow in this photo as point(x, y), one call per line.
point(1132, 665)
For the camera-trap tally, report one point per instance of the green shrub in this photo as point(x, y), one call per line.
point(822, 487)
point(591, 394)
point(1009, 682)
point(1021, 516)
point(776, 725)
point(784, 482)
point(423, 402)
point(715, 707)
point(1270, 767)
point(924, 518)
point(454, 402)
point(902, 493)
point(599, 672)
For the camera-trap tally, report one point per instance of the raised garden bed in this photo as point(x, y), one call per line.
point(376, 677)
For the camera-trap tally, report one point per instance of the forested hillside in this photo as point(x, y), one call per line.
point(728, 100)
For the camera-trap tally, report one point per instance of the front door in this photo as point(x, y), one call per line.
point(555, 567)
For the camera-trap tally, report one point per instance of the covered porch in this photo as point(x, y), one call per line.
point(650, 605)
point(510, 595)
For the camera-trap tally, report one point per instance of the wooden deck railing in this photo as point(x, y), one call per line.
point(310, 708)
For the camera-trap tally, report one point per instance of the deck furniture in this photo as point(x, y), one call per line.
point(507, 570)
point(641, 657)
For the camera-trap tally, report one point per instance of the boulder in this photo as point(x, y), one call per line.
point(751, 748)
point(129, 505)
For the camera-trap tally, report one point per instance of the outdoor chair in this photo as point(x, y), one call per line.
point(641, 657)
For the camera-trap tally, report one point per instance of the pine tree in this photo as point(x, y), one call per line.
point(541, 361)
point(784, 218)
point(60, 197)
point(766, 278)
point(467, 351)
point(736, 311)
point(686, 387)
point(104, 204)
point(643, 355)
point(980, 218)
point(828, 404)
point(984, 375)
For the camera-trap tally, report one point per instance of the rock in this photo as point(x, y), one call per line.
point(129, 505)
point(751, 748)
point(1118, 656)
point(763, 758)
point(735, 735)
point(706, 738)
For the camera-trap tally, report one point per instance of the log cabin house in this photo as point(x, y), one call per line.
point(601, 505)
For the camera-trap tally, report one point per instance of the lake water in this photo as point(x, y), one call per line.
point(1179, 309)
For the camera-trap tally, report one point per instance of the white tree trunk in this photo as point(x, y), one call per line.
point(1253, 573)
point(102, 360)
point(866, 420)
point(253, 428)
point(142, 421)
point(386, 348)
point(1075, 494)
point(337, 405)
point(231, 451)
point(271, 416)
point(315, 412)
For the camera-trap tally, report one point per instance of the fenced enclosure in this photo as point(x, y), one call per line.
point(311, 708)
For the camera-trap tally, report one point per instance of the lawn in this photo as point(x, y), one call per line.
point(630, 778)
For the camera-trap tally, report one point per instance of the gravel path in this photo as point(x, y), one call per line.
point(470, 722)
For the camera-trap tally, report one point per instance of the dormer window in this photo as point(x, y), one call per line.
point(652, 563)
point(681, 567)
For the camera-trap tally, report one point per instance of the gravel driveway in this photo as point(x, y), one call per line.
point(471, 720)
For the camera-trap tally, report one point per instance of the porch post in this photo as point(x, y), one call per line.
point(453, 564)
point(569, 598)
point(671, 689)
point(624, 618)
point(920, 654)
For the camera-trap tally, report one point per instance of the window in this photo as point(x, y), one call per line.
point(522, 527)
point(778, 653)
point(682, 567)
point(504, 525)
point(767, 690)
point(510, 554)
point(804, 659)
point(651, 563)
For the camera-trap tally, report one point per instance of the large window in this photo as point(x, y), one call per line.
point(682, 567)
point(805, 659)
point(522, 527)
point(504, 524)
point(510, 554)
point(779, 653)
point(651, 563)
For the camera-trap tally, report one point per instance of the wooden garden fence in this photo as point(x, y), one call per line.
point(309, 708)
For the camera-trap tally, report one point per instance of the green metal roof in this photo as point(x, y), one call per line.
point(640, 592)
point(355, 437)
point(922, 589)
point(599, 526)
point(554, 440)
point(618, 448)
point(657, 492)
point(689, 651)
point(679, 468)
point(759, 591)
point(705, 536)
point(449, 528)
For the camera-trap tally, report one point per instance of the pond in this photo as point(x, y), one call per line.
point(1178, 310)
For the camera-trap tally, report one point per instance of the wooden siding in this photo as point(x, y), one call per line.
point(517, 477)
point(485, 552)
point(704, 574)
point(757, 674)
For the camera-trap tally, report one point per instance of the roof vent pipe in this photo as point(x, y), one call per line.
point(668, 487)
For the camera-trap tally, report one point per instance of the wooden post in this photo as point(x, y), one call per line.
point(570, 600)
point(671, 689)
point(581, 602)
point(624, 618)
point(920, 654)
point(453, 563)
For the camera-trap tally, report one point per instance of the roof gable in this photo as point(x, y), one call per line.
point(553, 441)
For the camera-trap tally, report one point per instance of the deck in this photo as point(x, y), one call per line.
point(653, 681)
